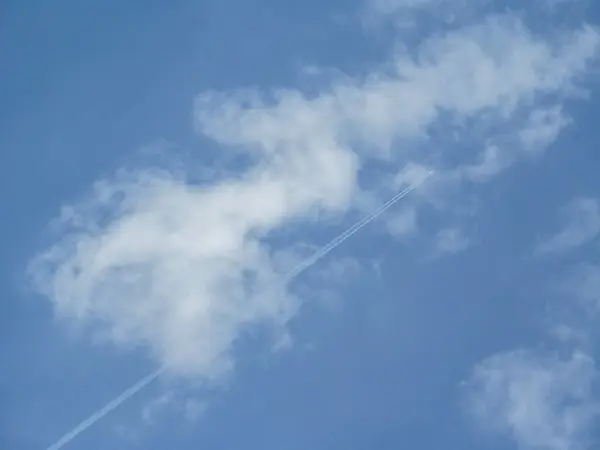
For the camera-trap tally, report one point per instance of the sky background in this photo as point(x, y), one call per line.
point(164, 164)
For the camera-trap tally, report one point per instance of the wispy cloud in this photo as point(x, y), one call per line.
point(542, 128)
point(540, 400)
point(577, 307)
point(581, 224)
point(407, 15)
point(226, 352)
point(183, 269)
point(544, 399)
point(403, 222)
point(584, 284)
point(191, 407)
point(488, 77)
point(156, 408)
point(451, 240)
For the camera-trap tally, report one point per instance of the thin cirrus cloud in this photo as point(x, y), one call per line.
point(539, 400)
point(579, 282)
point(151, 259)
point(581, 224)
point(542, 398)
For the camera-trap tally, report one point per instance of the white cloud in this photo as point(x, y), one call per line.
point(393, 6)
point(387, 6)
point(497, 64)
point(556, 3)
point(451, 240)
point(547, 401)
point(581, 225)
point(152, 409)
point(586, 284)
point(182, 269)
point(402, 223)
point(542, 128)
point(194, 409)
point(173, 400)
point(581, 294)
point(494, 70)
point(541, 401)
point(575, 305)
point(491, 162)
point(340, 270)
point(178, 268)
point(404, 13)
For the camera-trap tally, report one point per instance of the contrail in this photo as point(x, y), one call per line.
point(350, 231)
point(105, 410)
point(319, 254)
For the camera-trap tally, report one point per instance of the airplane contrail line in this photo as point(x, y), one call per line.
point(304, 265)
point(350, 231)
point(128, 393)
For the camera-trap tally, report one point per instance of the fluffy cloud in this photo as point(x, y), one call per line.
point(183, 269)
point(176, 267)
point(494, 68)
point(541, 401)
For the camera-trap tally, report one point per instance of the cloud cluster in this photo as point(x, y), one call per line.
point(543, 399)
point(183, 269)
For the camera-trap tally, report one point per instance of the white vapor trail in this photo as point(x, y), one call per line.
point(350, 231)
point(313, 259)
point(105, 410)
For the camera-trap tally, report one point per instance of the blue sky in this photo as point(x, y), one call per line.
point(165, 165)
